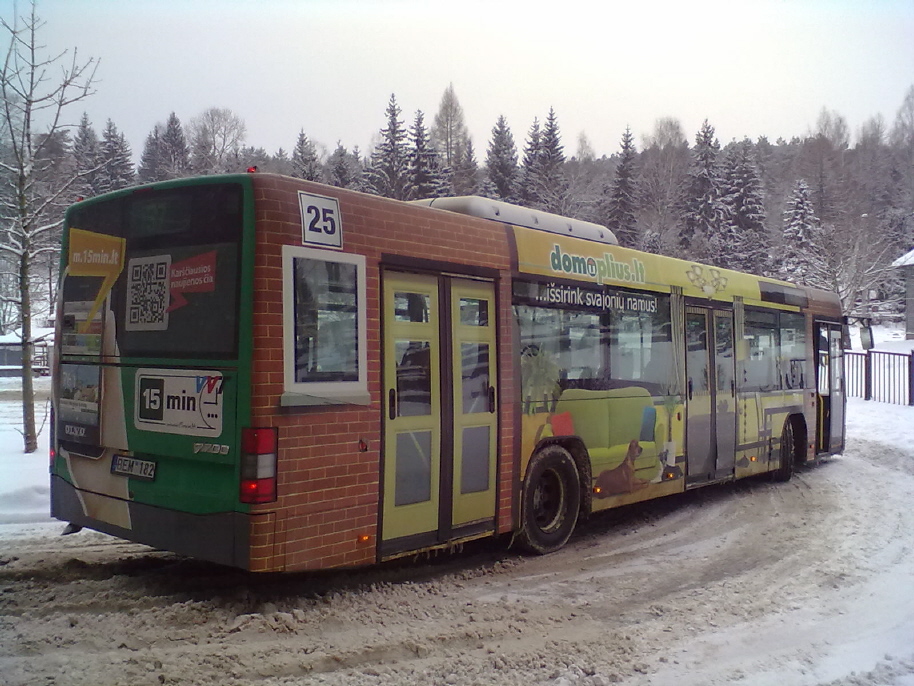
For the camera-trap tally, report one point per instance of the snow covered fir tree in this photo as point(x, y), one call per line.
point(803, 250)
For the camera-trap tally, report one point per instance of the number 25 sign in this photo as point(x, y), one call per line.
point(321, 221)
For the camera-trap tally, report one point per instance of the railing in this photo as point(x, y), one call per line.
point(883, 376)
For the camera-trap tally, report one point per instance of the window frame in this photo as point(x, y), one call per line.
point(312, 393)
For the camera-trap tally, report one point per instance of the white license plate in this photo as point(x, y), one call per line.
point(130, 466)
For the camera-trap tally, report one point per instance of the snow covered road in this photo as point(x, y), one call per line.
point(808, 582)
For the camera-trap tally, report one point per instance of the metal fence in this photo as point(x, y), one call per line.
point(883, 376)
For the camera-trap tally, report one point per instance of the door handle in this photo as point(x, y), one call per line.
point(392, 404)
point(492, 399)
point(690, 389)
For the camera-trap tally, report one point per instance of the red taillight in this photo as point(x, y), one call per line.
point(259, 441)
point(258, 465)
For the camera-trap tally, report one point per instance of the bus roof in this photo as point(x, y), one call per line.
point(507, 213)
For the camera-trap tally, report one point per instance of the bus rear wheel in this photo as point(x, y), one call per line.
point(788, 452)
point(551, 500)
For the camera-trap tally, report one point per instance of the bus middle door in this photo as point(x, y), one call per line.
point(710, 395)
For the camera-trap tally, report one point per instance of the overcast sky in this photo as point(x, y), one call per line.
point(761, 67)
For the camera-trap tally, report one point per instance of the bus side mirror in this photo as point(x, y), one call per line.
point(866, 336)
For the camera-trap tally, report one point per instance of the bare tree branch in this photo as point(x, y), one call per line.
point(29, 87)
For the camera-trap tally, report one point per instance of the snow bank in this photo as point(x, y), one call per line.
point(24, 480)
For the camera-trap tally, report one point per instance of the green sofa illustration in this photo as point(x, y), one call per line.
point(614, 424)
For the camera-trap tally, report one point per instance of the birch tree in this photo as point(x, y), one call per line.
point(663, 165)
point(217, 137)
point(35, 87)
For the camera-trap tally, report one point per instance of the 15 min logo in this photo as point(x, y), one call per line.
point(187, 402)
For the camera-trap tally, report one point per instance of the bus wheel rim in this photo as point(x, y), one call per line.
point(548, 501)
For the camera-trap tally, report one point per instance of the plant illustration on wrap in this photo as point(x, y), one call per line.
point(673, 390)
point(672, 401)
point(540, 379)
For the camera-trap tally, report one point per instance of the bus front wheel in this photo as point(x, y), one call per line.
point(551, 500)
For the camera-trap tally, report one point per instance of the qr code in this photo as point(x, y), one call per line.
point(148, 293)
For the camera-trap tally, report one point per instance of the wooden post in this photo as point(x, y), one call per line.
point(911, 378)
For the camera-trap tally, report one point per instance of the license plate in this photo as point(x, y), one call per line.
point(131, 466)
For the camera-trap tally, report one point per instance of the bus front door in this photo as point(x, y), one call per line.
point(439, 409)
point(830, 394)
point(710, 395)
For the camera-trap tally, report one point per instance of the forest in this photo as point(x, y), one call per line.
point(818, 209)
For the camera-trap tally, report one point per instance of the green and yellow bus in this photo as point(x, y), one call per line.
point(280, 375)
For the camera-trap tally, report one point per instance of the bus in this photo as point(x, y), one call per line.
point(279, 375)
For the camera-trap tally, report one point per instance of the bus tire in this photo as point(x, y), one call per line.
point(788, 452)
point(551, 500)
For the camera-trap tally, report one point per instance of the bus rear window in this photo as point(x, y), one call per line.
point(187, 216)
point(177, 293)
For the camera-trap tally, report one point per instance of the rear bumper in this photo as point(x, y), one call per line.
point(223, 538)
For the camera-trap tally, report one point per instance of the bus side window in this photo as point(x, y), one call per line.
point(760, 370)
point(793, 350)
point(324, 325)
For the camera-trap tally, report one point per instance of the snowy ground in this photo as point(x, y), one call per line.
point(809, 582)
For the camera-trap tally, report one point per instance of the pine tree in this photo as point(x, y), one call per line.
point(529, 172)
point(750, 250)
point(803, 260)
point(150, 168)
point(175, 155)
point(501, 161)
point(617, 210)
point(86, 158)
point(305, 162)
point(487, 189)
point(117, 165)
point(553, 152)
point(280, 163)
point(704, 215)
point(651, 241)
point(425, 177)
point(249, 156)
point(551, 184)
point(543, 183)
point(387, 173)
point(343, 167)
point(465, 177)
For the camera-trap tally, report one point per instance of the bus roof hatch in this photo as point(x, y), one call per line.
point(507, 213)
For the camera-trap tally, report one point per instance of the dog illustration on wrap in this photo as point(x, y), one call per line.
point(621, 479)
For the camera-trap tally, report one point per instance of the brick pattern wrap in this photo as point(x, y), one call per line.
point(328, 490)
